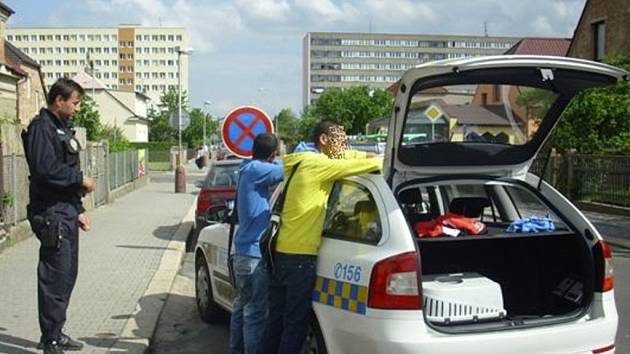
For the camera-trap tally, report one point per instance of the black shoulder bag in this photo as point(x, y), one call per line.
point(269, 237)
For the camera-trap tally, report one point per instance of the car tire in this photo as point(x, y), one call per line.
point(314, 343)
point(209, 311)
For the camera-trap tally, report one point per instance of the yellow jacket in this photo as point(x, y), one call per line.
point(305, 204)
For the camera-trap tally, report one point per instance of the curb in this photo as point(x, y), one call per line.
point(136, 339)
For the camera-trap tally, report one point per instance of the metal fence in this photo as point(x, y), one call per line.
point(596, 178)
point(124, 167)
point(15, 198)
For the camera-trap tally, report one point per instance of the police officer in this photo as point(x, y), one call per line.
point(55, 210)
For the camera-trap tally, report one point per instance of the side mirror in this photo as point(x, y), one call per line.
point(199, 183)
point(217, 215)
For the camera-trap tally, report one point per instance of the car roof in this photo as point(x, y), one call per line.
point(227, 162)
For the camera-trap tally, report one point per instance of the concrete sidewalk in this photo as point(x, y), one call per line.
point(126, 267)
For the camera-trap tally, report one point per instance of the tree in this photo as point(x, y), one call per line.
point(88, 117)
point(116, 138)
point(159, 120)
point(597, 120)
point(307, 123)
point(354, 107)
point(193, 135)
point(287, 124)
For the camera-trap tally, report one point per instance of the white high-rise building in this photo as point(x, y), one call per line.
point(339, 60)
point(126, 58)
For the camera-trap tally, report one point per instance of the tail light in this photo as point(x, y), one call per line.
point(203, 202)
point(608, 278)
point(394, 283)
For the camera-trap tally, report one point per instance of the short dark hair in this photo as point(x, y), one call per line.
point(322, 127)
point(63, 87)
point(265, 144)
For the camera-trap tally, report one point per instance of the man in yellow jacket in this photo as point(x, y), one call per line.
point(299, 237)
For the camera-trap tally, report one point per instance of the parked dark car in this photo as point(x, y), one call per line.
point(218, 188)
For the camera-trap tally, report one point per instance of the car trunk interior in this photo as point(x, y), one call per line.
point(529, 269)
point(535, 277)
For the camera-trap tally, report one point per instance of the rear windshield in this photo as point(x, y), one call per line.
point(222, 175)
point(496, 204)
point(484, 113)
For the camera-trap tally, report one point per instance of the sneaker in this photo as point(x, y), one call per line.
point(66, 343)
point(52, 348)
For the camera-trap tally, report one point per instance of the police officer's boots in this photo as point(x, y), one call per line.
point(52, 348)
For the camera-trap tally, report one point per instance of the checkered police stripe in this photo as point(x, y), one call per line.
point(342, 295)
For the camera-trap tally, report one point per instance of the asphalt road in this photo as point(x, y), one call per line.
point(180, 330)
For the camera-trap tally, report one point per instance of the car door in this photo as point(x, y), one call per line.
point(353, 229)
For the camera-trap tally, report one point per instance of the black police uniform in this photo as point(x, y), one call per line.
point(55, 193)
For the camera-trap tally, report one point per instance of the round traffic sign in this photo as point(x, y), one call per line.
point(175, 123)
point(241, 126)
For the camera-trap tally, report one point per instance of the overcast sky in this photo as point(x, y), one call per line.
point(242, 46)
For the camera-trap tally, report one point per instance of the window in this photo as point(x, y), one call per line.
point(82, 50)
point(352, 214)
point(10, 38)
point(42, 37)
point(147, 37)
point(106, 37)
point(58, 37)
point(82, 37)
point(179, 37)
point(138, 37)
point(599, 36)
point(171, 37)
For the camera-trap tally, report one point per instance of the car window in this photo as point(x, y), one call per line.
point(528, 205)
point(498, 204)
point(352, 214)
point(222, 175)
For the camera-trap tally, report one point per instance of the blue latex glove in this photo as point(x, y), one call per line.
point(303, 146)
point(533, 224)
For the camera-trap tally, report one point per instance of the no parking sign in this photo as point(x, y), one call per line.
point(241, 126)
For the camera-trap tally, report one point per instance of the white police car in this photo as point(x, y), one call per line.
point(457, 248)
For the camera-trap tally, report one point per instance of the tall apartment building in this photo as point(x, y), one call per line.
point(339, 60)
point(126, 58)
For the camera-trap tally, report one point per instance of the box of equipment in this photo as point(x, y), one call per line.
point(461, 298)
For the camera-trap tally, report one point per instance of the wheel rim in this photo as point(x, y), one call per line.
point(203, 288)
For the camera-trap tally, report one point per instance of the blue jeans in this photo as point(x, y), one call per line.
point(250, 305)
point(290, 304)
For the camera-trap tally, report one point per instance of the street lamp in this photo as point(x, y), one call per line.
point(206, 104)
point(180, 172)
point(180, 51)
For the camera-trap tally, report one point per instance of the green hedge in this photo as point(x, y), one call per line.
point(154, 145)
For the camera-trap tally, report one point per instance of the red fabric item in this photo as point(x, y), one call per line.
point(433, 228)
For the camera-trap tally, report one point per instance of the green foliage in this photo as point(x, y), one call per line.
point(353, 107)
point(193, 135)
point(159, 125)
point(89, 118)
point(7, 200)
point(116, 138)
point(306, 124)
point(152, 146)
point(287, 124)
point(536, 101)
point(598, 120)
